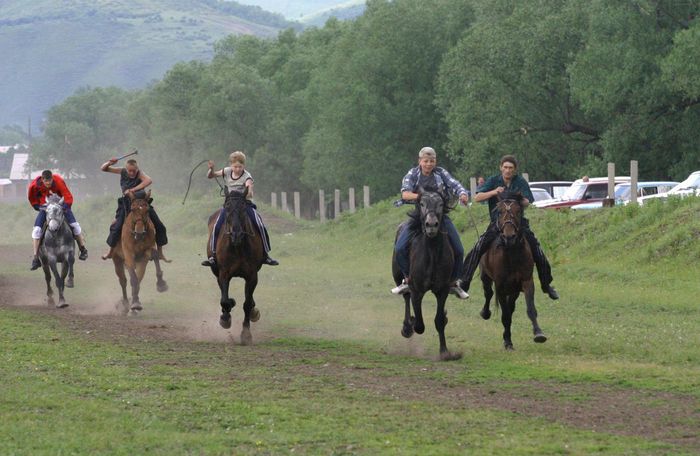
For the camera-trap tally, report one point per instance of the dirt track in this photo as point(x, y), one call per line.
point(661, 416)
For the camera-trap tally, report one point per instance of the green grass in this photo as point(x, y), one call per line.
point(627, 319)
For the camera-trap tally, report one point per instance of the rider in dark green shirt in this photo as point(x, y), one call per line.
point(507, 181)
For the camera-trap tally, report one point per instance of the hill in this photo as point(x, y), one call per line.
point(50, 48)
point(299, 10)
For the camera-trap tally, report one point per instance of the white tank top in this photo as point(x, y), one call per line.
point(236, 184)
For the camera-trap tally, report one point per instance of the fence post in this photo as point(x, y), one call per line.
point(336, 207)
point(634, 174)
point(472, 186)
point(322, 205)
point(297, 205)
point(273, 200)
point(285, 208)
point(351, 200)
point(365, 195)
point(611, 180)
point(526, 176)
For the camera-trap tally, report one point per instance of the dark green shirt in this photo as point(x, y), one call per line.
point(517, 184)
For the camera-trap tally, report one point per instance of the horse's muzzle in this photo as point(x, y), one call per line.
point(54, 225)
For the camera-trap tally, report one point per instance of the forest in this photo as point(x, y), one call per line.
point(565, 85)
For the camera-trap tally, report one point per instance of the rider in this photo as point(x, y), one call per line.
point(39, 189)
point(427, 174)
point(237, 178)
point(132, 180)
point(508, 181)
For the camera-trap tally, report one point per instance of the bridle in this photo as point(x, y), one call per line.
point(239, 209)
point(424, 214)
point(506, 212)
point(140, 214)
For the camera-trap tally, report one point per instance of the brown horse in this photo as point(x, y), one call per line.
point(239, 253)
point(508, 263)
point(136, 247)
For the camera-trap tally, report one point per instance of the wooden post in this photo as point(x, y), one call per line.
point(273, 200)
point(322, 205)
point(526, 176)
point(336, 206)
point(611, 180)
point(634, 174)
point(365, 195)
point(351, 200)
point(472, 186)
point(285, 208)
point(297, 205)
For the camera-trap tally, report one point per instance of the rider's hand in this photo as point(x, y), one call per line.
point(210, 164)
point(36, 207)
point(499, 190)
point(127, 191)
point(112, 161)
point(464, 198)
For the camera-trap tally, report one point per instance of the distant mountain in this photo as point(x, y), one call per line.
point(49, 48)
point(348, 12)
point(305, 10)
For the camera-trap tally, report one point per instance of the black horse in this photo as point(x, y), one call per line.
point(508, 263)
point(432, 260)
point(239, 253)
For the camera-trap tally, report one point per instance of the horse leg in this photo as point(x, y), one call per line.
point(71, 261)
point(440, 323)
point(529, 289)
point(65, 267)
point(136, 276)
point(161, 285)
point(59, 284)
point(506, 318)
point(488, 294)
point(119, 270)
point(408, 320)
point(251, 313)
point(226, 303)
point(417, 300)
point(49, 290)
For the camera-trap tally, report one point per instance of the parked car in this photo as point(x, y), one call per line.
point(623, 193)
point(690, 186)
point(540, 194)
point(582, 191)
point(554, 188)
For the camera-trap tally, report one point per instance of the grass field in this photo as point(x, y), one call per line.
point(329, 372)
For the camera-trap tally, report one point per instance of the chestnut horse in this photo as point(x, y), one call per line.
point(432, 260)
point(508, 264)
point(136, 247)
point(239, 253)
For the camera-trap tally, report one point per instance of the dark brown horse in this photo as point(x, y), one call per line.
point(508, 264)
point(432, 260)
point(239, 253)
point(136, 247)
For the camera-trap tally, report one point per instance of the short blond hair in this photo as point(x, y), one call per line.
point(427, 152)
point(237, 156)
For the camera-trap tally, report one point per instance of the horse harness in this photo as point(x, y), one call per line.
point(511, 218)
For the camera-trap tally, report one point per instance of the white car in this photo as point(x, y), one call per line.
point(690, 186)
point(623, 193)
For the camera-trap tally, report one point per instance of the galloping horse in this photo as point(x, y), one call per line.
point(57, 246)
point(136, 247)
point(508, 263)
point(432, 260)
point(239, 253)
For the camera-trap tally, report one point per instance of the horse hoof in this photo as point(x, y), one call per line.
point(540, 338)
point(246, 337)
point(419, 328)
point(133, 313)
point(61, 305)
point(162, 286)
point(136, 306)
point(449, 356)
point(485, 314)
point(225, 320)
point(69, 282)
point(406, 331)
point(254, 314)
point(50, 301)
point(509, 347)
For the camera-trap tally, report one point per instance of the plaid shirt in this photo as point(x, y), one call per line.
point(443, 179)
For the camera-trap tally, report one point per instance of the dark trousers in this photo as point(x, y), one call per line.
point(403, 244)
point(544, 270)
point(123, 208)
point(251, 210)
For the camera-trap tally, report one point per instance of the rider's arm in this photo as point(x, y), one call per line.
point(63, 190)
point(145, 182)
point(211, 173)
point(249, 184)
point(409, 196)
point(108, 168)
point(456, 187)
point(33, 196)
point(483, 196)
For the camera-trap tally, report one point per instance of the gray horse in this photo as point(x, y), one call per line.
point(57, 246)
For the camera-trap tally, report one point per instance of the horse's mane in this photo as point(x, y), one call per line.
point(53, 198)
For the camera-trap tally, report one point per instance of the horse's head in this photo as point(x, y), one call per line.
point(139, 214)
point(54, 212)
point(236, 206)
point(432, 207)
point(510, 214)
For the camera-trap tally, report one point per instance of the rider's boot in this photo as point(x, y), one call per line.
point(81, 245)
point(211, 262)
point(270, 261)
point(161, 256)
point(109, 254)
point(401, 288)
point(36, 263)
point(457, 290)
point(550, 291)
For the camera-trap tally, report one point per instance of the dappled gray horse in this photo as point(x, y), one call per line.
point(57, 246)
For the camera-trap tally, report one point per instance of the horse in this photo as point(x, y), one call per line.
point(508, 264)
point(136, 247)
point(432, 260)
point(57, 246)
point(239, 253)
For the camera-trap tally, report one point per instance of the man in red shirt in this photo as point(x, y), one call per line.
point(39, 189)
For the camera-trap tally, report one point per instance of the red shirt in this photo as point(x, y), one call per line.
point(37, 191)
